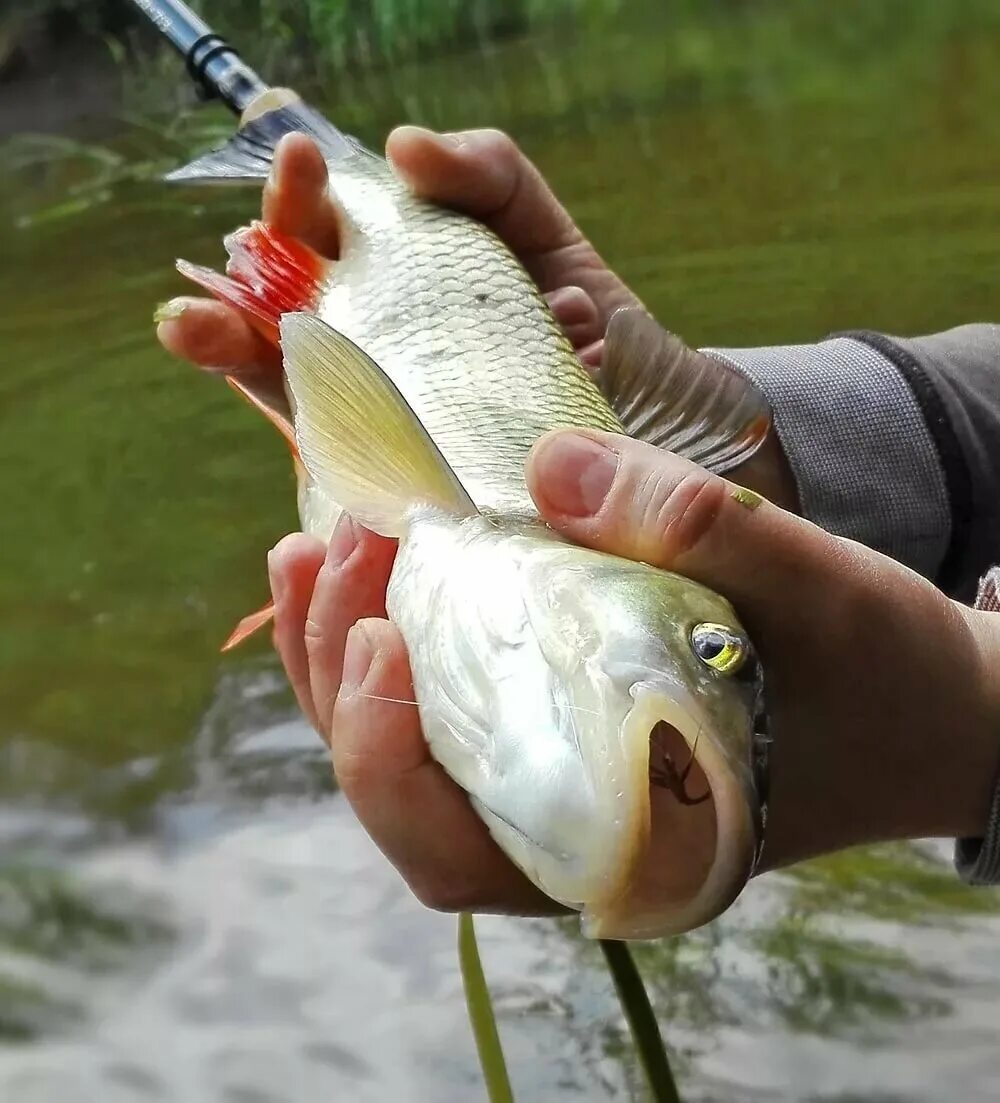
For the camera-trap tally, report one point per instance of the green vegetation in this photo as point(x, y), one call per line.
point(758, 171)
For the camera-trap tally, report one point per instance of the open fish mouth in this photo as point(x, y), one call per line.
point(692, 837)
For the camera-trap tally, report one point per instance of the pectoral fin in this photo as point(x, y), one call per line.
point(358, 438)
point(678, 398)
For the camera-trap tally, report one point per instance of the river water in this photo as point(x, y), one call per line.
point(188, 910)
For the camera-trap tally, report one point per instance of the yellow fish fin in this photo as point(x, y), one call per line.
point(358, 438)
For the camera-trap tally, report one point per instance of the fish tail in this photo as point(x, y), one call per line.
point(247, 155)
point(268, 274)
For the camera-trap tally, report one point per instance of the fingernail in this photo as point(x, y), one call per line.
point(274, 577)
point(575, 473)
point(421, 133)
point(440, 138)
point(358, 654)
point(573, 303)
point(344, 540)
point(169, 311)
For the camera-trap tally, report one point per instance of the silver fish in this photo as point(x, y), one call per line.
point(419, 369)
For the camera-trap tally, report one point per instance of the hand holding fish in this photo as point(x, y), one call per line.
point(480, 172)
point(876, 734)
point(684, 855)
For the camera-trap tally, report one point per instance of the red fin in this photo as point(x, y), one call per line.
point(248, 625)
point(268, 275)
point(275, 416)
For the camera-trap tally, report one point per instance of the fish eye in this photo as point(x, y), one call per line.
point(719, 647)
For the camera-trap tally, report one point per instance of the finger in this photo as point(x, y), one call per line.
point(296, 197)
point(213, 336)
point(417, 816)
point(590, 355)
point(483, 173)
point(292, 566)
point(350, 585)
point(577, 315)
point(631, 499)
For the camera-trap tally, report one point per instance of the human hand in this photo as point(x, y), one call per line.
point(480, 172)
point(485, 175)
point(884, 716)
point(882, 694)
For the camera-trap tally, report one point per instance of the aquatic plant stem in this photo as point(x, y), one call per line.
point(481, 1017)
point(642, 1021)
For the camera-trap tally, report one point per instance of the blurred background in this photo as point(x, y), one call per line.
point(187, 909)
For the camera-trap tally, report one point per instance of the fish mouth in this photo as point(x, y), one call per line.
point(692, 836)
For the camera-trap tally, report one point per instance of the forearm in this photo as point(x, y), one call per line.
point(893, 443)
point(915, 748)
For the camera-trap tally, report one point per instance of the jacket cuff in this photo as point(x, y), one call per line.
point(978, 860)
point(858, 446)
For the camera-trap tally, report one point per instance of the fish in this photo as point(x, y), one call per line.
point(560, 687)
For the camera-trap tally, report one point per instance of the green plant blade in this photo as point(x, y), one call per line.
point(481, 1017)
point(642, 1021)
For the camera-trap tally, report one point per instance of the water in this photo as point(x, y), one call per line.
point(188, 910)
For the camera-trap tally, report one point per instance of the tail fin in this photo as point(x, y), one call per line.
point(268, 275)
point(248, 153)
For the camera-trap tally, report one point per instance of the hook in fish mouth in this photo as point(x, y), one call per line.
point(664, 739)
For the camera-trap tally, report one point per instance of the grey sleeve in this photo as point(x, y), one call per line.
point(894, 442)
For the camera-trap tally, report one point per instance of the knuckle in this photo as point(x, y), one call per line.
point(677, 513)
point(313, 632)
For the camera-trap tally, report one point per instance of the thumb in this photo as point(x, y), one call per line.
point(484, 174)
point(844, 635)
point(631, 499)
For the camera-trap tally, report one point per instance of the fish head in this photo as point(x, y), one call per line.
point(662, 692)
point(587, 704)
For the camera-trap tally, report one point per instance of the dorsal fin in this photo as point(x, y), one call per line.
point(677, 398)
point(358, 438)
point(247, 155)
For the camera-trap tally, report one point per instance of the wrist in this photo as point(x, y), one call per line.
point(981, 741)
point(912, 745)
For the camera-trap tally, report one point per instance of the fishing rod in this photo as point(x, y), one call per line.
point(212, 63)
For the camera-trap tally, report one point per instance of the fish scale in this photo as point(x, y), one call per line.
point(418, 370)
point(460, 329)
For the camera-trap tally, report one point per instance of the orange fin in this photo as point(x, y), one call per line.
point(265, 404)
point(248, 625)
point(268, 275)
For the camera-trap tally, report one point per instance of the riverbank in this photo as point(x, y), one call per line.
point(60, 87)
